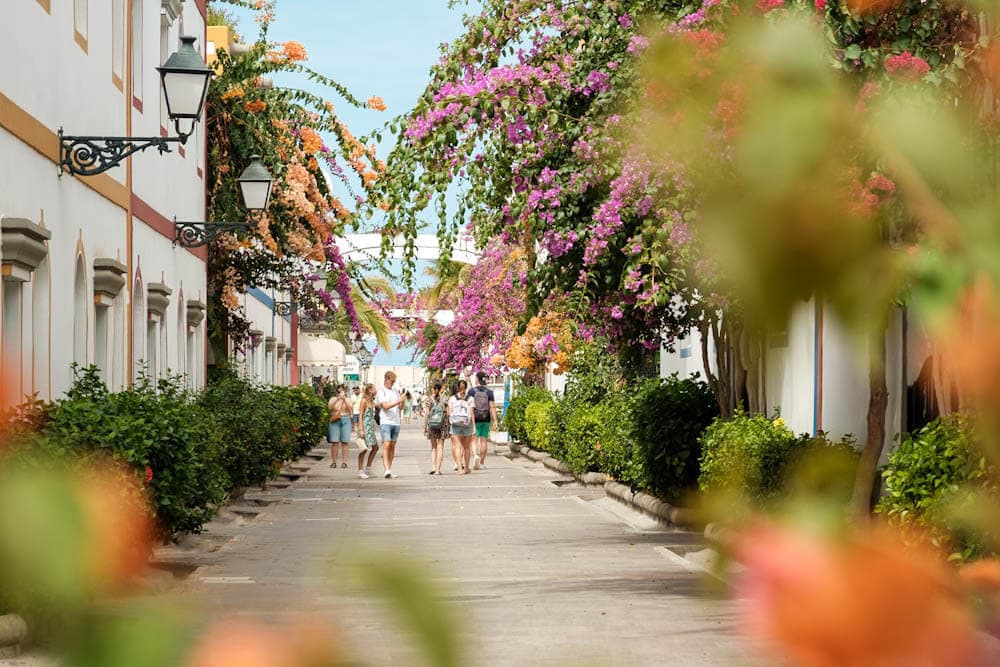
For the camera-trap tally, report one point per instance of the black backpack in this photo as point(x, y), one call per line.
point(481, 403)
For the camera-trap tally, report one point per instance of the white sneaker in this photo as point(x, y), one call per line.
point(388, 474)
point(482, 464)
point(368, 471)
point(392, 474)
point(363, 475)
point(456, 467)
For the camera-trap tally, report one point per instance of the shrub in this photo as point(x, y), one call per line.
point(931, 476)
point(514, 417)
point(747, 453)
point(256, 433)
point(160, 428)
point(617, 446)
point(582, 438)
point(667, 418)
point(308, 417)
point(540, 425)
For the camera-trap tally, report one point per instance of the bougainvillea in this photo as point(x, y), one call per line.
point(295, 236)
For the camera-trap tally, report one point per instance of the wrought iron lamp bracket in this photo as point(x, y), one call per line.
point(196, 234)
point(90, 156)
point(285, 308)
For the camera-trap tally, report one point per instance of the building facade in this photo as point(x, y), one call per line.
point(91, 274)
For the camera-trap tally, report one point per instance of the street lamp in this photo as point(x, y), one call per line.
point(184, 78)
point(255, 185)
point(255, 188)
point(285, 308)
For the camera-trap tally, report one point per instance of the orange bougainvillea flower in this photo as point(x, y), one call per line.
point(866, 600)
point(982, 575)
point(233, 93)
point(871, 6)
point(304, 643)
point(375, 102)
point(369, 177)
point(254, 106)
point(294, 51)
point(311, 141)
point(970, 340)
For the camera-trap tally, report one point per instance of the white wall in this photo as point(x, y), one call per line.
point(791, 370)
point(57, 81)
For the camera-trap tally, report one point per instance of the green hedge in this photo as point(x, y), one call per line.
point(645, 434)
point(932, 477)
point(195, 448)
point(749, 453)
point(514, 417)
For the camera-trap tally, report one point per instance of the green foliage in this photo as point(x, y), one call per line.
point(197, 446)
point(667, 416)
point(514, 417)
point(541, 425)
point(583, 442)
point(747, 453)
point(160, 426)
point(932, 476)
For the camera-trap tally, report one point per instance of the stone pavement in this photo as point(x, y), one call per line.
point(543, 571)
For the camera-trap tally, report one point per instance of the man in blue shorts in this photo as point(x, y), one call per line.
point(389, 402)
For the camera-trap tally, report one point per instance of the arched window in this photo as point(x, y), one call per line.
point(138, 326)
point(80, 309)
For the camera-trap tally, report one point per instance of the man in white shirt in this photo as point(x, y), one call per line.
point(389, 402)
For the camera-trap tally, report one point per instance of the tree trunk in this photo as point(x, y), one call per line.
point(878, 401)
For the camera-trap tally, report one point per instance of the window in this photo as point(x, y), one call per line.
point(164, 54)
point(152, 325)
point(138, 327)
point(10, 343)
point(80, 302)
point(117, 365)
point(80, 23)
point(101, 340)
point(192, 377)
point(40, 332)
point(181, 335)
point(118, 42)
point(137, 53)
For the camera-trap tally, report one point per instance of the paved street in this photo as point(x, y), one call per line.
point(543, 572)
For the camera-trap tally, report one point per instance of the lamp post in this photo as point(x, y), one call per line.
point(184, 78)
point(255, 188)
point(285, 308)
point(364, 361)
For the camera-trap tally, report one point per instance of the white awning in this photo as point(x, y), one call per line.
point(315, 351)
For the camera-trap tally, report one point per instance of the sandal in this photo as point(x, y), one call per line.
point(343, 465)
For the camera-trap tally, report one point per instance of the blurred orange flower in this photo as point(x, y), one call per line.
point(246, 643)
point(254, 106)
point(119, 525)
point(375, 102)
point(868, 600)
point(233, 93)
point(871, 6)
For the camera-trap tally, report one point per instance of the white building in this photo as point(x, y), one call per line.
point(816, 373)
point(90, 270)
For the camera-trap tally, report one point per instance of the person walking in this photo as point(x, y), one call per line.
point(434, 409)
point(407, 407)
point(462, 421)
point(368, 431)
point(389, 403)
point(338, 433)
point(356, 398)
point(484, 409)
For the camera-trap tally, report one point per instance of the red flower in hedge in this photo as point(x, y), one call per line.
point(149, 474)
point(907, 66)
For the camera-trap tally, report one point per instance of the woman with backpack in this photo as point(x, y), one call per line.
point(434, 409)
point(462, 421)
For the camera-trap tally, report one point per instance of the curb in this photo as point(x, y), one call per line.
point(639, 500)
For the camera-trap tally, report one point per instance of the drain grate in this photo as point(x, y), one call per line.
point(562, 482)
